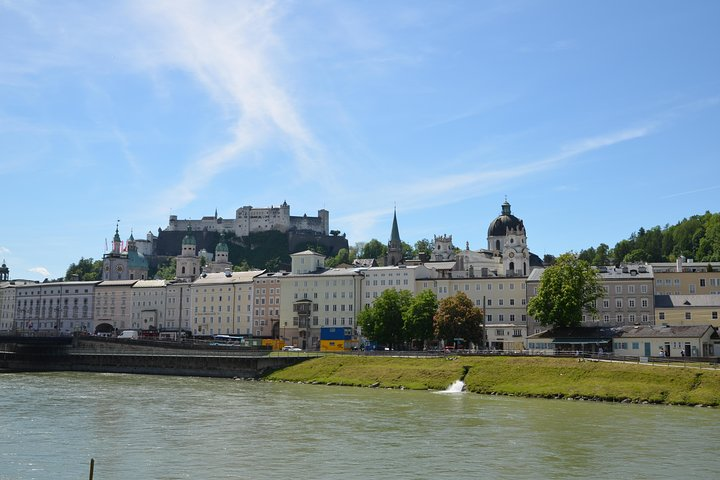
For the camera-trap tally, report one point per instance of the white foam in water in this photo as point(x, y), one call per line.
point(458, 386)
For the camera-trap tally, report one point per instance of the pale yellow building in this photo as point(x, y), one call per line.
point(686, 310)
point(222, 303)
point(686, 277)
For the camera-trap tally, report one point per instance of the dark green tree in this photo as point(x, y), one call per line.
point(422, 246)
point(167, 269)
point(418, 318)
point(383, 320)
point(457, 317)
point(373, 249)
point(85, 270)
point(566, 290)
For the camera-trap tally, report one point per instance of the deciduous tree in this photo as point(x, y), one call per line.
point(457, 317)
point(418, 317)
point(566, 290)
point(383, 320)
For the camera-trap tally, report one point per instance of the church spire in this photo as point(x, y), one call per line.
point(395, 233)
point(395, 249)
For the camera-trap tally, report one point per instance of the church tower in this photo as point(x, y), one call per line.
point(395, 250)
point(507, 238)
point(115, 263)
point(137, 266)
point(188, 263)
point(222, 257)
point(4, 272)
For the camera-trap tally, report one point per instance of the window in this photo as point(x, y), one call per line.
point(489, 302)
point(702, 282)
point(644, 302)
point(618, 302)
point(489, 318)
point(661, 316)
point(643, 289)
point(714, 315)
point(692, 288)
point(688, 316)
point(618, 288)
point(606, 303)
point(631, 303)
point(631, 288)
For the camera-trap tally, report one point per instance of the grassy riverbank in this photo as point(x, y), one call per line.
point(522, 376)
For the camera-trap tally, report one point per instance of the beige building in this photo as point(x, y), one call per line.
point(113, 305)
point(222, 303)
point(628, 299)
point(266, 308)
point(687, 310)
point(501, 298)
point(685, 277)
point(323, 298)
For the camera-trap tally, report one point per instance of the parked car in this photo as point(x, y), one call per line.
point(291, 348)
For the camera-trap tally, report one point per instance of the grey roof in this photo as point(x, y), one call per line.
point(679, 301)
point(117, 283)
point(669, 331)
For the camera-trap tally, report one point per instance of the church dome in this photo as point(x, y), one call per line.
point(505, 221)
point(221, 247)
point(189, 239)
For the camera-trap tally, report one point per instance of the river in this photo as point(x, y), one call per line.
point(155, 427)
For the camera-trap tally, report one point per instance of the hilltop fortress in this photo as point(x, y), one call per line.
point(252, 220)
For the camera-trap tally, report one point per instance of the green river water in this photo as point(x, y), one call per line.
point(154, 427)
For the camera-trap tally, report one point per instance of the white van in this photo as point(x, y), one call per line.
point(131, 334)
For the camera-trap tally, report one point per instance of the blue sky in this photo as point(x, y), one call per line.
point(594, 118)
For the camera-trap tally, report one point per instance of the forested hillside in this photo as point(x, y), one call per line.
point(697, 237)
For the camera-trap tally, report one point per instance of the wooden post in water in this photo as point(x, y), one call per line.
point(92, 467)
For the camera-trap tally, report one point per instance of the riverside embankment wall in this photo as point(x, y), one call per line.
point(143, 359)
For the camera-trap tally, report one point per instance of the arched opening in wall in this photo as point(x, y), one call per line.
point(104, 328)
point(497, 244)
point(524, 269)
point(512, 267)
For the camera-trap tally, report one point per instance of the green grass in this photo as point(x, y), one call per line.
point(522, 376)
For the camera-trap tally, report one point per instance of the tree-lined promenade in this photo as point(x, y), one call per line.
point(545, 377)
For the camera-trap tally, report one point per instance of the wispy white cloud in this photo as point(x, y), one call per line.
point(690, 192)
point(229, 49)
point(447, 189)
point(42, 271)
point(4, 250)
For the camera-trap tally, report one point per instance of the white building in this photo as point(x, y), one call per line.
point(148, 305)
point(55, 308)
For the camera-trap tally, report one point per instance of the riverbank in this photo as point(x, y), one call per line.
point(545, 377)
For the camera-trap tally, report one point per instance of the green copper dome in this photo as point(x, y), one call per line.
point(189, 238)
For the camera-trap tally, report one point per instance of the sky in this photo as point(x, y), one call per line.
point(592, 118)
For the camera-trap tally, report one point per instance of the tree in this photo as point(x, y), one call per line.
point(422, 246)
point(373, 249)
point(548, 259)
point(457, 317)
point(167, 269)
point(418, 317)
point(566, 290)
point(383, 320)
point(85, 270)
